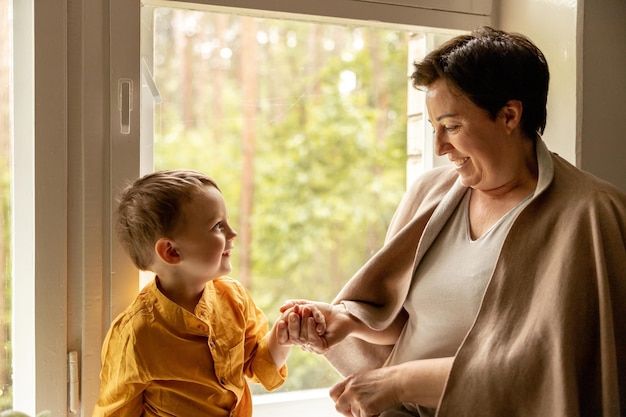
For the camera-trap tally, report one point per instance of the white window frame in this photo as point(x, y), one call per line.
point(40, 198)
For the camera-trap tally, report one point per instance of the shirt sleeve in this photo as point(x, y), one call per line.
point(122, 380)
point(260, 366)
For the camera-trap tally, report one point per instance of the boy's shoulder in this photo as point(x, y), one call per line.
point(136, 316)
point(227, 281)
point(226, 284)
point(229, 290)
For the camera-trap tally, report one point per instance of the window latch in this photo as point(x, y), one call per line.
point(125, 103)
point(73, 381)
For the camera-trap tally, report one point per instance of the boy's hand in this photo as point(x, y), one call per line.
point(303, 323)
point(312, 315)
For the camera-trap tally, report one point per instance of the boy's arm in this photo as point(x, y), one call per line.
point(279, 352)
point(118, 396)
point(133, 408)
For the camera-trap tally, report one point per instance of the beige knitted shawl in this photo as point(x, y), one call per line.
point(549, 339)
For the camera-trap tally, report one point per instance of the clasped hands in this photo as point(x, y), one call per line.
point(315, 327)
point(311, 325)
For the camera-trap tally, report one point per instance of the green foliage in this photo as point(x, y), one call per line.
point(6, 398)
point(305, 371)
point(5, 271)
point(329, 164)
point(15, 413)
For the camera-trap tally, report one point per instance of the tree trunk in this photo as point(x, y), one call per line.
point(381, 105)
point(184, 43)
point(221, 27)
point(249, 86)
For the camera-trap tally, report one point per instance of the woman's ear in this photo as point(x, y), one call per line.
point(512, 114)
point(164, 248)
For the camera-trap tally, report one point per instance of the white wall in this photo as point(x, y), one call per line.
point(585, 45)
point(551, 25)
point(602, 149)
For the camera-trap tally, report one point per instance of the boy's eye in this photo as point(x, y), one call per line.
point(219, 225)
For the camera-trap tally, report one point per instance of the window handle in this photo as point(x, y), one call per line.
point(149, 79)
point(125, 103)
point(72, 367)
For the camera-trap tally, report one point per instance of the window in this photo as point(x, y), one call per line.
point(302, 125)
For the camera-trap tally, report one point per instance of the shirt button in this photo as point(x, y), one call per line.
point(202, 327)
point(223, 381)
point(212, 343)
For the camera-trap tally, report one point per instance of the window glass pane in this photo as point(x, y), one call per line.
point(6, 151)
point(303, 126)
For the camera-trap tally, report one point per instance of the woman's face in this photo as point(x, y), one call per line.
point(476, 144)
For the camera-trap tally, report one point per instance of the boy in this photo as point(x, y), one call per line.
point(192, 336)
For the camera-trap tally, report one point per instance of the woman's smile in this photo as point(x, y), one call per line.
point(459, 162)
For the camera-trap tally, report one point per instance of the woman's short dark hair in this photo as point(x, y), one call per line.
point(491, 67)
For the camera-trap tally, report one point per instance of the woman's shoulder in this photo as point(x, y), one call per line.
point(583, 186)
point(581, 195)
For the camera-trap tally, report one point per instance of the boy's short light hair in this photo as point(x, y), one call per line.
point(149, 209)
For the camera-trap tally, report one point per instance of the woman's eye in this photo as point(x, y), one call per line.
point(448, 129)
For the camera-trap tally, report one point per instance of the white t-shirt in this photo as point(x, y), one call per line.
point(447, 289)
point(448, 286)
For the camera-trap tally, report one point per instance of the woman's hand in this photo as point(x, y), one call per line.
point(366, 394)
point(372, 392)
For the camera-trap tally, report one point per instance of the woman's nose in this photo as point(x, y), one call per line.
point(442, 146)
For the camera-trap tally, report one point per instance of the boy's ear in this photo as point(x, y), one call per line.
point(165, 250)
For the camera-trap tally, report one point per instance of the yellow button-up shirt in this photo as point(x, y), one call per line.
point(159, 359)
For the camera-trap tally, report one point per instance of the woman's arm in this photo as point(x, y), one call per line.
point(387, 336)
point(301, 327)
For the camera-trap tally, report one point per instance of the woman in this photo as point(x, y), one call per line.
point(500, 288)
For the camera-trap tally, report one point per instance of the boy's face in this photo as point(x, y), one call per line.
point(203, 238)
